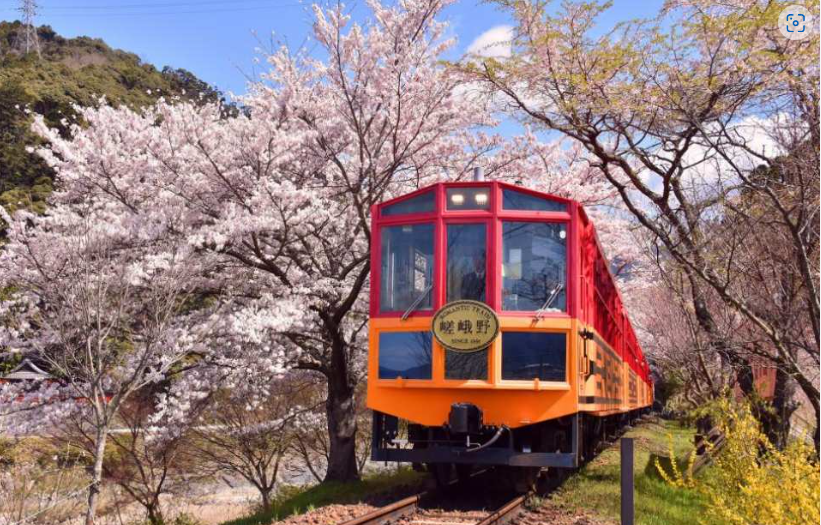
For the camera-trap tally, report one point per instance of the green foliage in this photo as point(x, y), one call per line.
point(184, 519)
point(8, 360)
point(667, 389)
point(6, 451)
point(76, 71)
point(42, 453)
point(31, 198)
point(298, 500)
point(596, 487)
point(69, 455)
point(180, 519)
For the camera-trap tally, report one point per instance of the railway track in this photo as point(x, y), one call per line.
point(409, 511)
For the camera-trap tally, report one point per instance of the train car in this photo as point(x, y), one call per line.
point(497, 334)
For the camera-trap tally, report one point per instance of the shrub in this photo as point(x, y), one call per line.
point(185, 519)
point(752, 481)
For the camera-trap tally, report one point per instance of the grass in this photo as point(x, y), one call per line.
point(596, 487)
point(297, 500)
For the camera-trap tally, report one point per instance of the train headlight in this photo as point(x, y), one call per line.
point(481, 199)
point(457, 199)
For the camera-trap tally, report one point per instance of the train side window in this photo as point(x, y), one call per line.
point(405, 354)
point(531, 355)
point(424, 203)
point(534, 266)
point(467, 262)
point(517, 200)
point(407, 268)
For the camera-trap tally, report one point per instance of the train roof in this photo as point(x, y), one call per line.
point(476, 184)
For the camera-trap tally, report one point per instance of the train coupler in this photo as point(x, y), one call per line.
point(465, 418)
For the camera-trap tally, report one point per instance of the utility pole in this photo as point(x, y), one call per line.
point(30, 41)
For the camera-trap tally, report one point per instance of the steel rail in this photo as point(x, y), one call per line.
point(409, 505)
point(507, 512)
point(393, 511)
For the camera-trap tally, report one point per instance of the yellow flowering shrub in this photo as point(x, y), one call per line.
point(676, 477)
point(752, 482)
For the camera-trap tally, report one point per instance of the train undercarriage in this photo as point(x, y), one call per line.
point(558, 445)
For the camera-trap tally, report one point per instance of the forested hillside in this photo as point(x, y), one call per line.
point(69, 71)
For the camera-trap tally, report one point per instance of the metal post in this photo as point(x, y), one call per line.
point(574, 437)
point(628, 511)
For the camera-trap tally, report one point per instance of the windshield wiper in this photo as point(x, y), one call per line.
point(550, 298)
point(416, 301)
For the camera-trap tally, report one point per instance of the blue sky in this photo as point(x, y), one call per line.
point(215, 39)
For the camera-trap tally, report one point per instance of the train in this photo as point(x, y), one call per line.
point(497, 334)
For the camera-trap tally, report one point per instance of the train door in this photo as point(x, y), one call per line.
point(594, 365)
point(587, 365)
point(589, 382)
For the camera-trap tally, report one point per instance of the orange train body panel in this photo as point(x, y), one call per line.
point(512, 403)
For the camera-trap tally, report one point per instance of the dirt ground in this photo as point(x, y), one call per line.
point(216, 503)
point(208, 504)
point(330, 515)
point(544, 515)
point(550, 515)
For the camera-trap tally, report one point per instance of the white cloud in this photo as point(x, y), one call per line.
point(493, 43)
point(706, 171)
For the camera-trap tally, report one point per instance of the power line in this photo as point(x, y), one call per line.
point(151, 5)
point(105, 14)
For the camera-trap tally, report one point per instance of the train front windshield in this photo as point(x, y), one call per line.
point(407, 267)
point(534, 271)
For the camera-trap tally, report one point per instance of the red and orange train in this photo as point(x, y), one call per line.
point(497, 333)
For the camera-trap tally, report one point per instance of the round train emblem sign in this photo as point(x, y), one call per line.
point(465, 326)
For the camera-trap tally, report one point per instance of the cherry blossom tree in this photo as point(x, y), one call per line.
point(240, 433)
point(96, 300)
point(689, 116)
point(279, 198)
point(678, 347)
point(310, 450)
point(146, 462)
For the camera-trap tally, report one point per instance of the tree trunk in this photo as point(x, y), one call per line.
point(740, 365)
point(96, 475)
point(783, 407)
point(155, 516)
point(341, 411)
point(266, 499)
point(811, 391)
